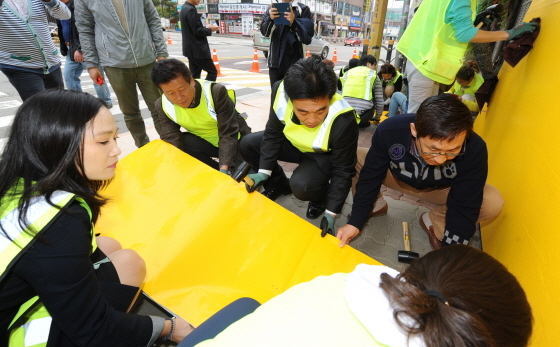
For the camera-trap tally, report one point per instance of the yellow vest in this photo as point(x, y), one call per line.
point(429, 43)
point(358, 83)
point(31, 324)
point(202, 120)
point(303, 138)
point(474, 85)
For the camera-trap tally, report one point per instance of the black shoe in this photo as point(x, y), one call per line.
point(364, 124)
point(315, 210)
point(276, 192)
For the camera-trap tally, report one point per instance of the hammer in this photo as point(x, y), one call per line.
point(407, 256)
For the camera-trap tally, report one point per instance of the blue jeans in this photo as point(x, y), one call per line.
point(72, 72)
point(398, 99)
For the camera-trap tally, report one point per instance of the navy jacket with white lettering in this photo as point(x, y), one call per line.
point(391, 150)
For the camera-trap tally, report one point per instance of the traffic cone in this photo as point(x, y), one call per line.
point(355, 54)
point(169, 41)
point(308, 54)
point(255, 67)
point(216, 62)
point(334, 56)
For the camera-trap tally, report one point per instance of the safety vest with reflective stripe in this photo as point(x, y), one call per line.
point(394, 79)
point(358, 83)
point(31, 324)
point(202, 120)
point(303, 138)
point(430, 44)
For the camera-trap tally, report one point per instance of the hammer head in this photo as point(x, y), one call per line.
point(407, 256)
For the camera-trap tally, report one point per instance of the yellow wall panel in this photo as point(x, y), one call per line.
point(206, 241)
point(521, 128)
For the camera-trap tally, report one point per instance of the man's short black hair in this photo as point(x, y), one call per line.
point(310, 79)
point(352, 63)
point(368, 59)
point(166, 70)
point(443, 117)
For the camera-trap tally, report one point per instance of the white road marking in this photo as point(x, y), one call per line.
point(6, 121)
point(9, 104)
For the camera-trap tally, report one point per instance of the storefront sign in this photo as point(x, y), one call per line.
point(367, 6)
point(355, 22)
point(201, 8)
point(214, 16)
point(242, 8)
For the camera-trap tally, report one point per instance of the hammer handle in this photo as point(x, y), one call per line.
point(406, 237)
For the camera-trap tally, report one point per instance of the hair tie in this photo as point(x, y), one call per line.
point(436, 294)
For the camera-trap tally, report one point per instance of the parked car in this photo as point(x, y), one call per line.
point(53, 28)
point(317, 46)
point(353, 41)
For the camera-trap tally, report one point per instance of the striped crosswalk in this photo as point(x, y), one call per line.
point(246, 84)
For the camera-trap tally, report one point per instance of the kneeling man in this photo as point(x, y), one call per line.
point(435, 156)
point(205, 109)
point(311, 125)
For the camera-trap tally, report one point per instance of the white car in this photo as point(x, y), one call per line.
point(317, 46)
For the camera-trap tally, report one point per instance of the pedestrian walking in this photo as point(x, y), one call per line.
point(195, 42)
point(125, 38)
point(74, 66)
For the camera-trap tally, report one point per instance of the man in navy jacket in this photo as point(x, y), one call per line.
point(435, 156)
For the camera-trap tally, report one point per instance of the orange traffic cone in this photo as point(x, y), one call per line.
point(308, 53)
point(169, 41)
point(216, 62)
point(255, 67)
point(355, 54)
point(334, 56)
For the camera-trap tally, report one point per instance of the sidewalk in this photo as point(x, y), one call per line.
point(382, 237)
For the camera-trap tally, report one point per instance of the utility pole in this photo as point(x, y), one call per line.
point(377, 26)
point(402, 28)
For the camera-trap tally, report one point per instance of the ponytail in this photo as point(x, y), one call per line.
point(459, 296)
point(467, 71)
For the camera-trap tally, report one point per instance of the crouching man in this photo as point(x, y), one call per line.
point(205, 109)
point(435, 156)
point(311, 125)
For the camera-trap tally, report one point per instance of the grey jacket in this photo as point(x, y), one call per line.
point(105, 42)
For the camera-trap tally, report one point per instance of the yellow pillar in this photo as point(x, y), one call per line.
point(377, 26)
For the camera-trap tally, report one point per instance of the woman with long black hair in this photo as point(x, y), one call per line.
point(59, 284)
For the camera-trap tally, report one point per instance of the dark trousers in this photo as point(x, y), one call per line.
point(204, 151)
point(197, 65)
point(124, 81)
point(309, 181)
point(28, 83)
point(275, 75)
point(220, 321)
point(200, 149)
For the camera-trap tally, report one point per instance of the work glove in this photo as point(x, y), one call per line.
point(521, 30)
point(254, 181)
point(327, 225)
point(224, 171)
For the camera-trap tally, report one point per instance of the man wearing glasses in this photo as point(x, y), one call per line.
point(434, 156)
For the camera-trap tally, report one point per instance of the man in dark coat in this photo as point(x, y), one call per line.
point(195, 43)
point(286, 41)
